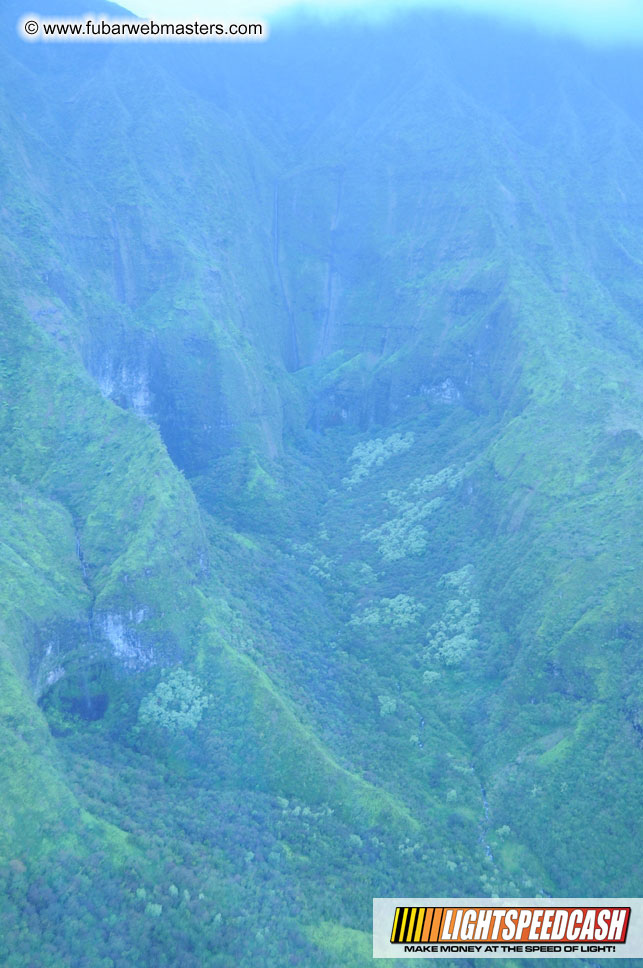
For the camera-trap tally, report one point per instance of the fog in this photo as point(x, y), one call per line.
point(595, 21)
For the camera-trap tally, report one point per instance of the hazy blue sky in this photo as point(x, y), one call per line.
point(593, 19)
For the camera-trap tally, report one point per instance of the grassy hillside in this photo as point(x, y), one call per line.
point(320, 444)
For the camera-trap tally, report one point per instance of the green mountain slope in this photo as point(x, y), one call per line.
point(320, 442)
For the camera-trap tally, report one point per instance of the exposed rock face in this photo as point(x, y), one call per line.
point(127, 387)
point(127, 648)
point(445, 392)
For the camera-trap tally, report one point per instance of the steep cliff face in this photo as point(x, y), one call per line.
point(320, 447)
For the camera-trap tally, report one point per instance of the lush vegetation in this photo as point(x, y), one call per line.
point(320, 453)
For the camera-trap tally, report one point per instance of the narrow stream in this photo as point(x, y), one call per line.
point(484, 824)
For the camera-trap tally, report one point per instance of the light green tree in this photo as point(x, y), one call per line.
point(176, 704)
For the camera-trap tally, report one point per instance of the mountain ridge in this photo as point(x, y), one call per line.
point(320, 416)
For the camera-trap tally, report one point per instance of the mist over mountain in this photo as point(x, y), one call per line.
point(320, 443)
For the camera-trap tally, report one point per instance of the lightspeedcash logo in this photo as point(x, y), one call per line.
point(507, 928)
